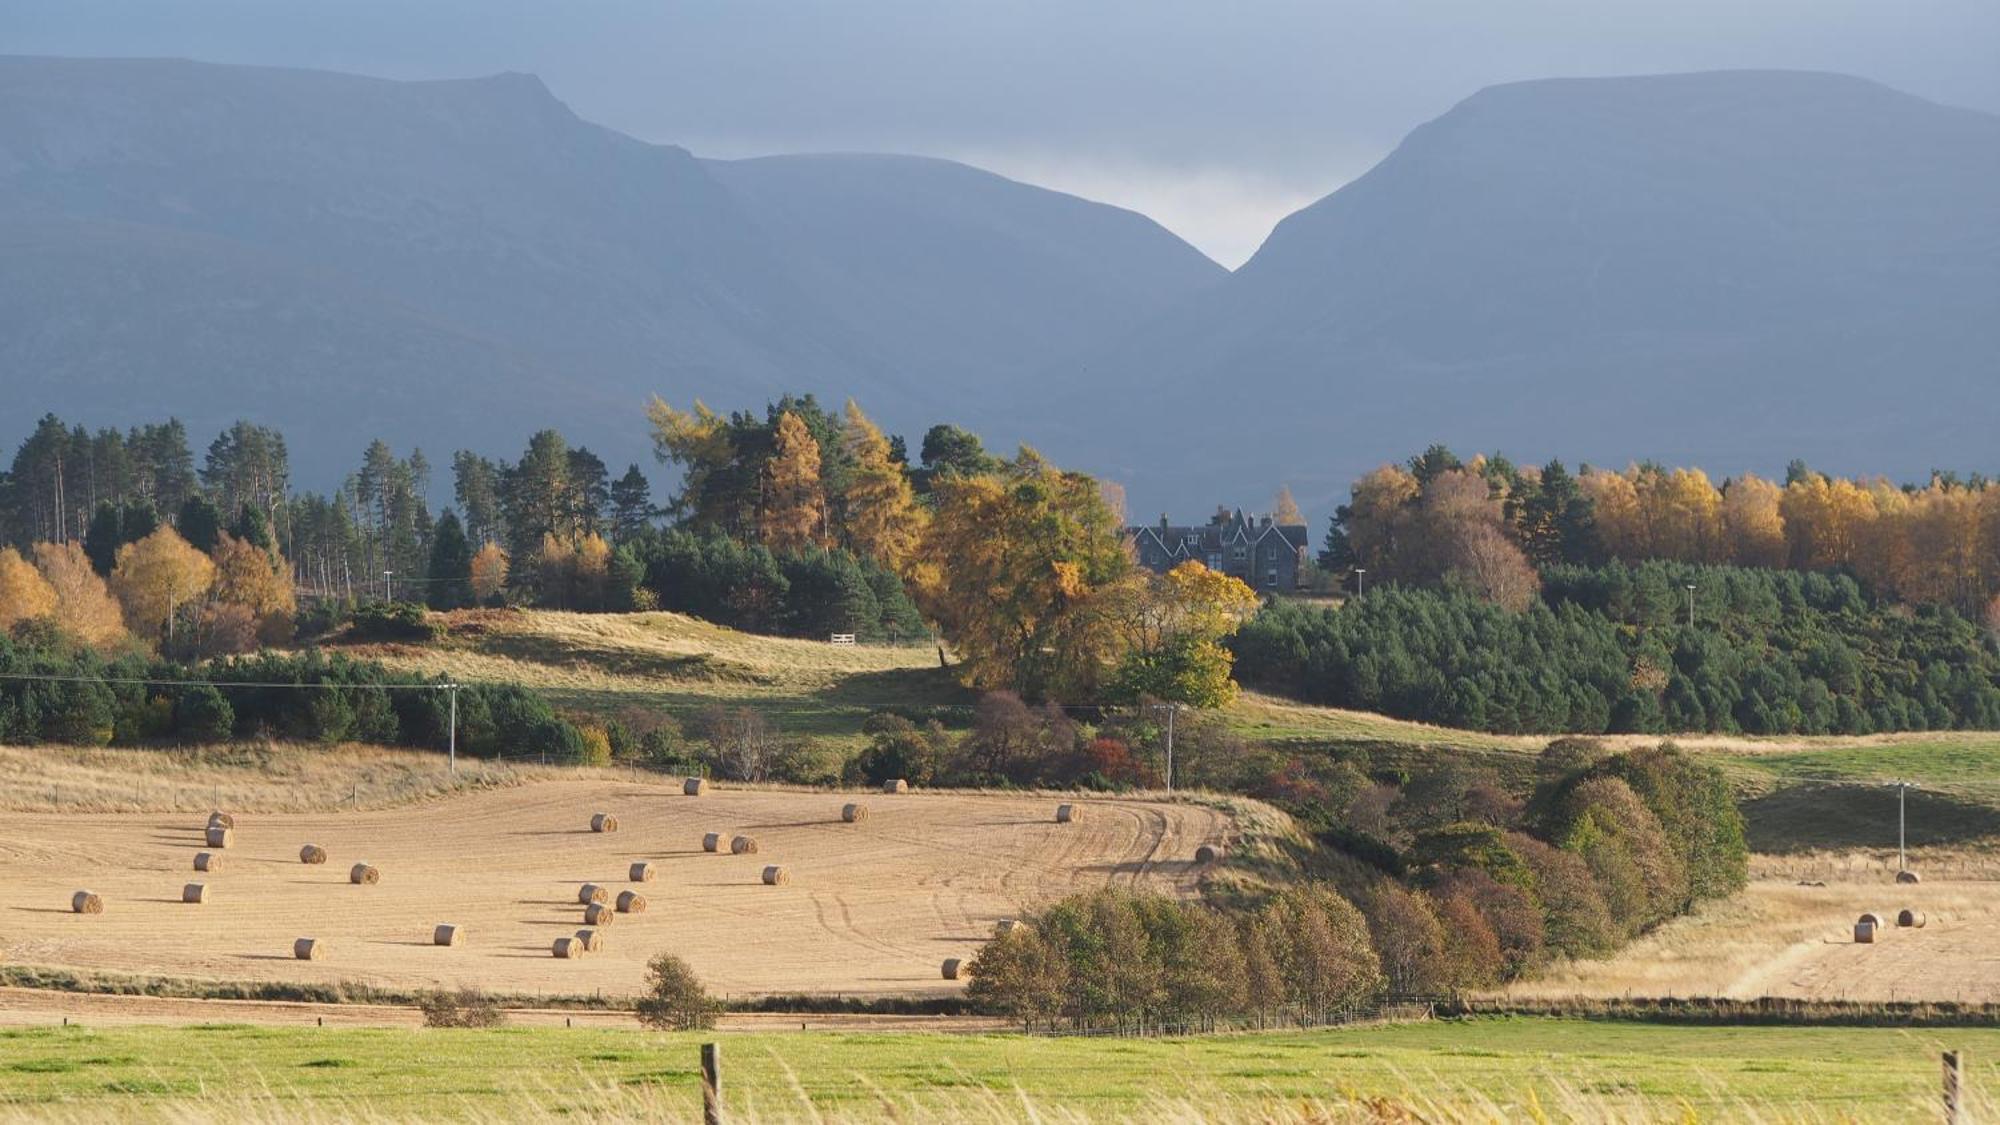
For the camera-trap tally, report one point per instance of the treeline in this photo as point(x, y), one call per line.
point(1489, 524)
point(1485, 887)
point(791, 520)
point(55, 692)
point(810, 592)
point(1609, 648)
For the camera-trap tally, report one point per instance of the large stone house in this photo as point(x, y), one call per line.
point(1266, 556)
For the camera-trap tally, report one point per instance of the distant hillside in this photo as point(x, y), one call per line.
point(1727, 268)
point(456, 263)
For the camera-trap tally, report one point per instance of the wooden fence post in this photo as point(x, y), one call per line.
point(711, 1084)
point(1954, 1087)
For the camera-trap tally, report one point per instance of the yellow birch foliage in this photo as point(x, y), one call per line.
point(1751, 522)
point(24, 594)
point(1285, 510)
point(1824, 521)
point(1621, 526)
point(573, 572)
point(884, 521)
point(157, 574)
point(85, 608)
point(793, 512)
point(489, 572)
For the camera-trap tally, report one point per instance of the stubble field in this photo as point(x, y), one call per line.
point(871, 909)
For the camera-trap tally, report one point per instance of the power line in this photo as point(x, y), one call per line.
point(140, 681)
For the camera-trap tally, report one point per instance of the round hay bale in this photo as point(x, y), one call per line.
point(1005, 926)
point(1908, 877)
point(1864, 933)
point(312, 853)
point(1068, 814)
point(853, 813)
point(220, 819)
point(567, 948)
point(591, 892)
point(640, 873)
point(364, 875)
point(897, 785)
point(952, 967)
point(694, 787)
point(86, 902)
point(591, 940)
point(447, 934)
point(599, 914)
point(218, 836)
point(742, 845)
point(776, 876)
point(712, 842)
point(1206, 854)
point(604, 822)
point(308, 949)
point(196, 893)
point(631, 902)
point(1871, 918)
point(207, 861)
point(1911, 919)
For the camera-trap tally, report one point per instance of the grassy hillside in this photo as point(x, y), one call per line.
point(610, 662)
point(1799, 792)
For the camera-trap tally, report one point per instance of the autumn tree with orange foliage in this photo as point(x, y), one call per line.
point(248, 576)
point(573, 572)
point(792, 512)
point(882, 518)
point(85, 608)
point(24, 594)
point(489, 572)
point(1035, 578)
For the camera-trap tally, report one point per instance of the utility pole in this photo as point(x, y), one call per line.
point(1172, 710)
point(1902, 821)
point(1690, 605)
point(451, 691)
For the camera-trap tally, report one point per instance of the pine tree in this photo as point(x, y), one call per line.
point(631, 504)
point(200, 523)
point(477, 484)
point(450, 571)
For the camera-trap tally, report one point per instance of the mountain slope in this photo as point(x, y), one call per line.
point(927, 257)
point(1734, 268)
point(457, 263)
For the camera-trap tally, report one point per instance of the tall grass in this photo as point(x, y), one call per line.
point(1429, 1098)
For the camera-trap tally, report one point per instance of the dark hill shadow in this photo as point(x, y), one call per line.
point(1806, 817)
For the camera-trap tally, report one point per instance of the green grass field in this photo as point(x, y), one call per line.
point(1506, 1065)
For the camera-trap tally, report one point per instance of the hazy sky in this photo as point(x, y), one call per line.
point(1216, 117)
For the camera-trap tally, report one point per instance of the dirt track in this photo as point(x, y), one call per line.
point(872, 909)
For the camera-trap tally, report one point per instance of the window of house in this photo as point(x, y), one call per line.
point(1239, 553)
point(1215, 560)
